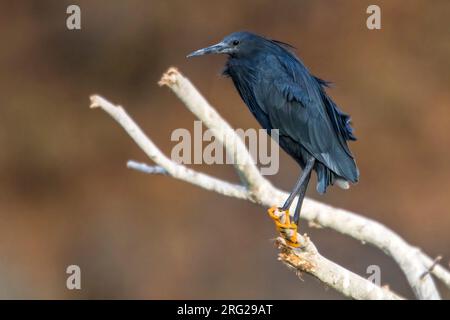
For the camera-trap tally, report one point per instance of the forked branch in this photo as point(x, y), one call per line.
point(417, 267)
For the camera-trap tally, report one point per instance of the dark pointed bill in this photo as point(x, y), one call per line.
point(214, 49)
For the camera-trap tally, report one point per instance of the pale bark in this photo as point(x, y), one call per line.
point(257, 189)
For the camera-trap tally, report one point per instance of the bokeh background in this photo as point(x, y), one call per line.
point(66, 196)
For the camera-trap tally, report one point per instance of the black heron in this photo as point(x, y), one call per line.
point(282, 94)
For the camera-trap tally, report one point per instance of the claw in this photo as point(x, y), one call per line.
point(284, 225)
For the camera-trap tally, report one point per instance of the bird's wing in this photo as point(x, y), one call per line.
point(293, 101)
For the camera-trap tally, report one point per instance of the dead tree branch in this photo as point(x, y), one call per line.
point(257, 189)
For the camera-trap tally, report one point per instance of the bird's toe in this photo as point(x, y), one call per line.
point(284, 225)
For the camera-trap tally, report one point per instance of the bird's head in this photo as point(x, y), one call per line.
point(235, 44)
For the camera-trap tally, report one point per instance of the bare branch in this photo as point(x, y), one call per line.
point(143, 167)
point(152, 151)
point(354, 225)
point(259, 190)
point(222, 131)
point(430, 268)
point(368, 231)
point(328, 272)
point(308, 259)
point(438, 271)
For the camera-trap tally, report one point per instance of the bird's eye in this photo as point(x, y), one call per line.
point(235, 42)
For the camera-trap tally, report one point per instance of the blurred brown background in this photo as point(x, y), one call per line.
point(66, 196)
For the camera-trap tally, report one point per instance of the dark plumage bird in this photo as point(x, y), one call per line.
point(282, 94)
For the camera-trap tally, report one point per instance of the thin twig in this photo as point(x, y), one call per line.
point(143, 167)
point(430, 268)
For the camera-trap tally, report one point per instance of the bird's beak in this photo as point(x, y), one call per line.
point(215, 49)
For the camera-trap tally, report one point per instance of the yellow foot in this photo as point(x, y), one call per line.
point(284, 225)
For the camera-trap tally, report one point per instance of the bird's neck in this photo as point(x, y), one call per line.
point(240, 68)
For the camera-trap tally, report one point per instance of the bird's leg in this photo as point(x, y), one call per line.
point(301, 196)
point(281, 215)
point(287, 204)
point(300, 186)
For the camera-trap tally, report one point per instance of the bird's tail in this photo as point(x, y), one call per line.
point(326, 177)
point(343, 184)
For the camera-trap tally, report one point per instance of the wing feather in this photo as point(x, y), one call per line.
point(297, 105)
